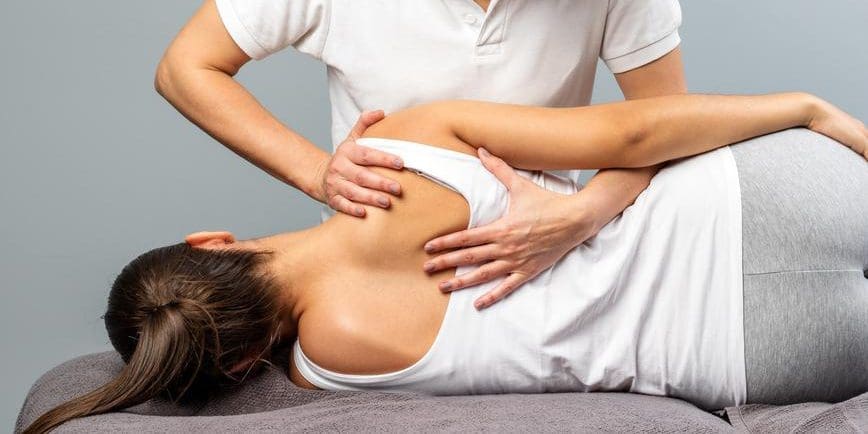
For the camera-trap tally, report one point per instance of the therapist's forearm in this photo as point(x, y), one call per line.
point(224, 109)
point(610, 191)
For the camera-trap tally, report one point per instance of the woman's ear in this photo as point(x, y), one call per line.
point(210, 239)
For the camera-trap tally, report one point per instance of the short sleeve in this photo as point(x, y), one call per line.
point(262, 27)
point(639, 32)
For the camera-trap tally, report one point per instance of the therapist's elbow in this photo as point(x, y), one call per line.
point(162, 78)
point(168, 74)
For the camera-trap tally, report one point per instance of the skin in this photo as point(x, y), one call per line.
point(195, 76)
point(367, 308)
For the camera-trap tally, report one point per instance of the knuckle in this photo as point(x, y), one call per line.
point(469, 257)
point(509, 249)
point(384, 159)
point(346, 165)
point(454, 260)
point(371, 197)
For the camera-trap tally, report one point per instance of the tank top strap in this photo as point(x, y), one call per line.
point(463, 173)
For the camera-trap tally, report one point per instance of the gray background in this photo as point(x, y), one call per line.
point(96, 168)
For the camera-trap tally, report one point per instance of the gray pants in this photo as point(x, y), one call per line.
point(805, 241)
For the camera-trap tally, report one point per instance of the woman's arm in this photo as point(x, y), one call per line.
point(630, 134)
point(637, 133)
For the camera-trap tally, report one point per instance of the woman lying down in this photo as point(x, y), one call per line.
point(736, 277)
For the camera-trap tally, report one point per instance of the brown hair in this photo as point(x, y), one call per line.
point(181, 318)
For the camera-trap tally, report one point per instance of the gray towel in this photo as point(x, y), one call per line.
point(850, 416)
point(271, 403)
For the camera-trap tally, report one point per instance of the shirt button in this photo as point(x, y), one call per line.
point(470, 19)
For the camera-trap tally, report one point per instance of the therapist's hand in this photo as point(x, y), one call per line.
point(539, 227)
point(346, 184)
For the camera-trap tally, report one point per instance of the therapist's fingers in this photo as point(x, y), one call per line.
point(366, 119)
point(505, 288)
point(466, 238)
point(482, 274)
point(502, 171)
point(365, 156)
point(364, 177)
point(472, 255)
point(360, 195)
point(342, 204)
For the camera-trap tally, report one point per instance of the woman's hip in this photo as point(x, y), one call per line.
point(805, 252)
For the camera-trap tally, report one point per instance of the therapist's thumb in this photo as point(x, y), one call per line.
point(502, 171)
point(366, 119)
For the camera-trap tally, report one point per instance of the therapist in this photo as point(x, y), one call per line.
point(393, 54)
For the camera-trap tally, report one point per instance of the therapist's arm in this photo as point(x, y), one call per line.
point(196, 76)
point(610, 191)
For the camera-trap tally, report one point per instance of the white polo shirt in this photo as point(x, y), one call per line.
point(393, 54)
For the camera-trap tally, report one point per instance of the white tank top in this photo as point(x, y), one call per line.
point(652, 304)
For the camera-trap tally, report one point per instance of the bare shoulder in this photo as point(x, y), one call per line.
point(424, 210)
point(295, 375)
point(349, 334)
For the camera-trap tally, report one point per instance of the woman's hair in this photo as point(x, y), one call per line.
point(181, 319)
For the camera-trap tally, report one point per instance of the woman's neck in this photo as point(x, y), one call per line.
point(299, 261)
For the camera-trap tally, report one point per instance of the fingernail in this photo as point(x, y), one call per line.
point(483, 151)
point(395, 188)
point(360, 211)
point(398, 163)
point(428, 267)
point(478, 304)
point(429, 248)
point(445, 286)
point(383, 201)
